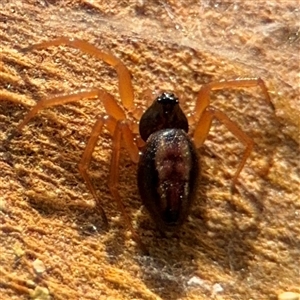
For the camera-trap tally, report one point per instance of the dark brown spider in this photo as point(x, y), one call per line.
point(168, 166)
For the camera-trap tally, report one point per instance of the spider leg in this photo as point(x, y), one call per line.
point(86, 159)
point(203, 99)
point(124, 76)
point(203, 127)
point(111, 106)
point(122, 130)
point(204, 114)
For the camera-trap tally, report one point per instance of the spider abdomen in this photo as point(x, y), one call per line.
point(168, 171)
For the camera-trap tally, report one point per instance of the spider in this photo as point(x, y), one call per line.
point(168, 166)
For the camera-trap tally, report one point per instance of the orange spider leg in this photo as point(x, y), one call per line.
point(86, 160)
point(121, 131)
point(203, 99)
point(203, 127)
point(204, 115)
point(111, 106)
point(124, 76)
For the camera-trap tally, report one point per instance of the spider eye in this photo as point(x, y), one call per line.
point(167, 98)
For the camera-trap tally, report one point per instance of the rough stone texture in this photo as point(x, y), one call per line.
point(239, 246)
